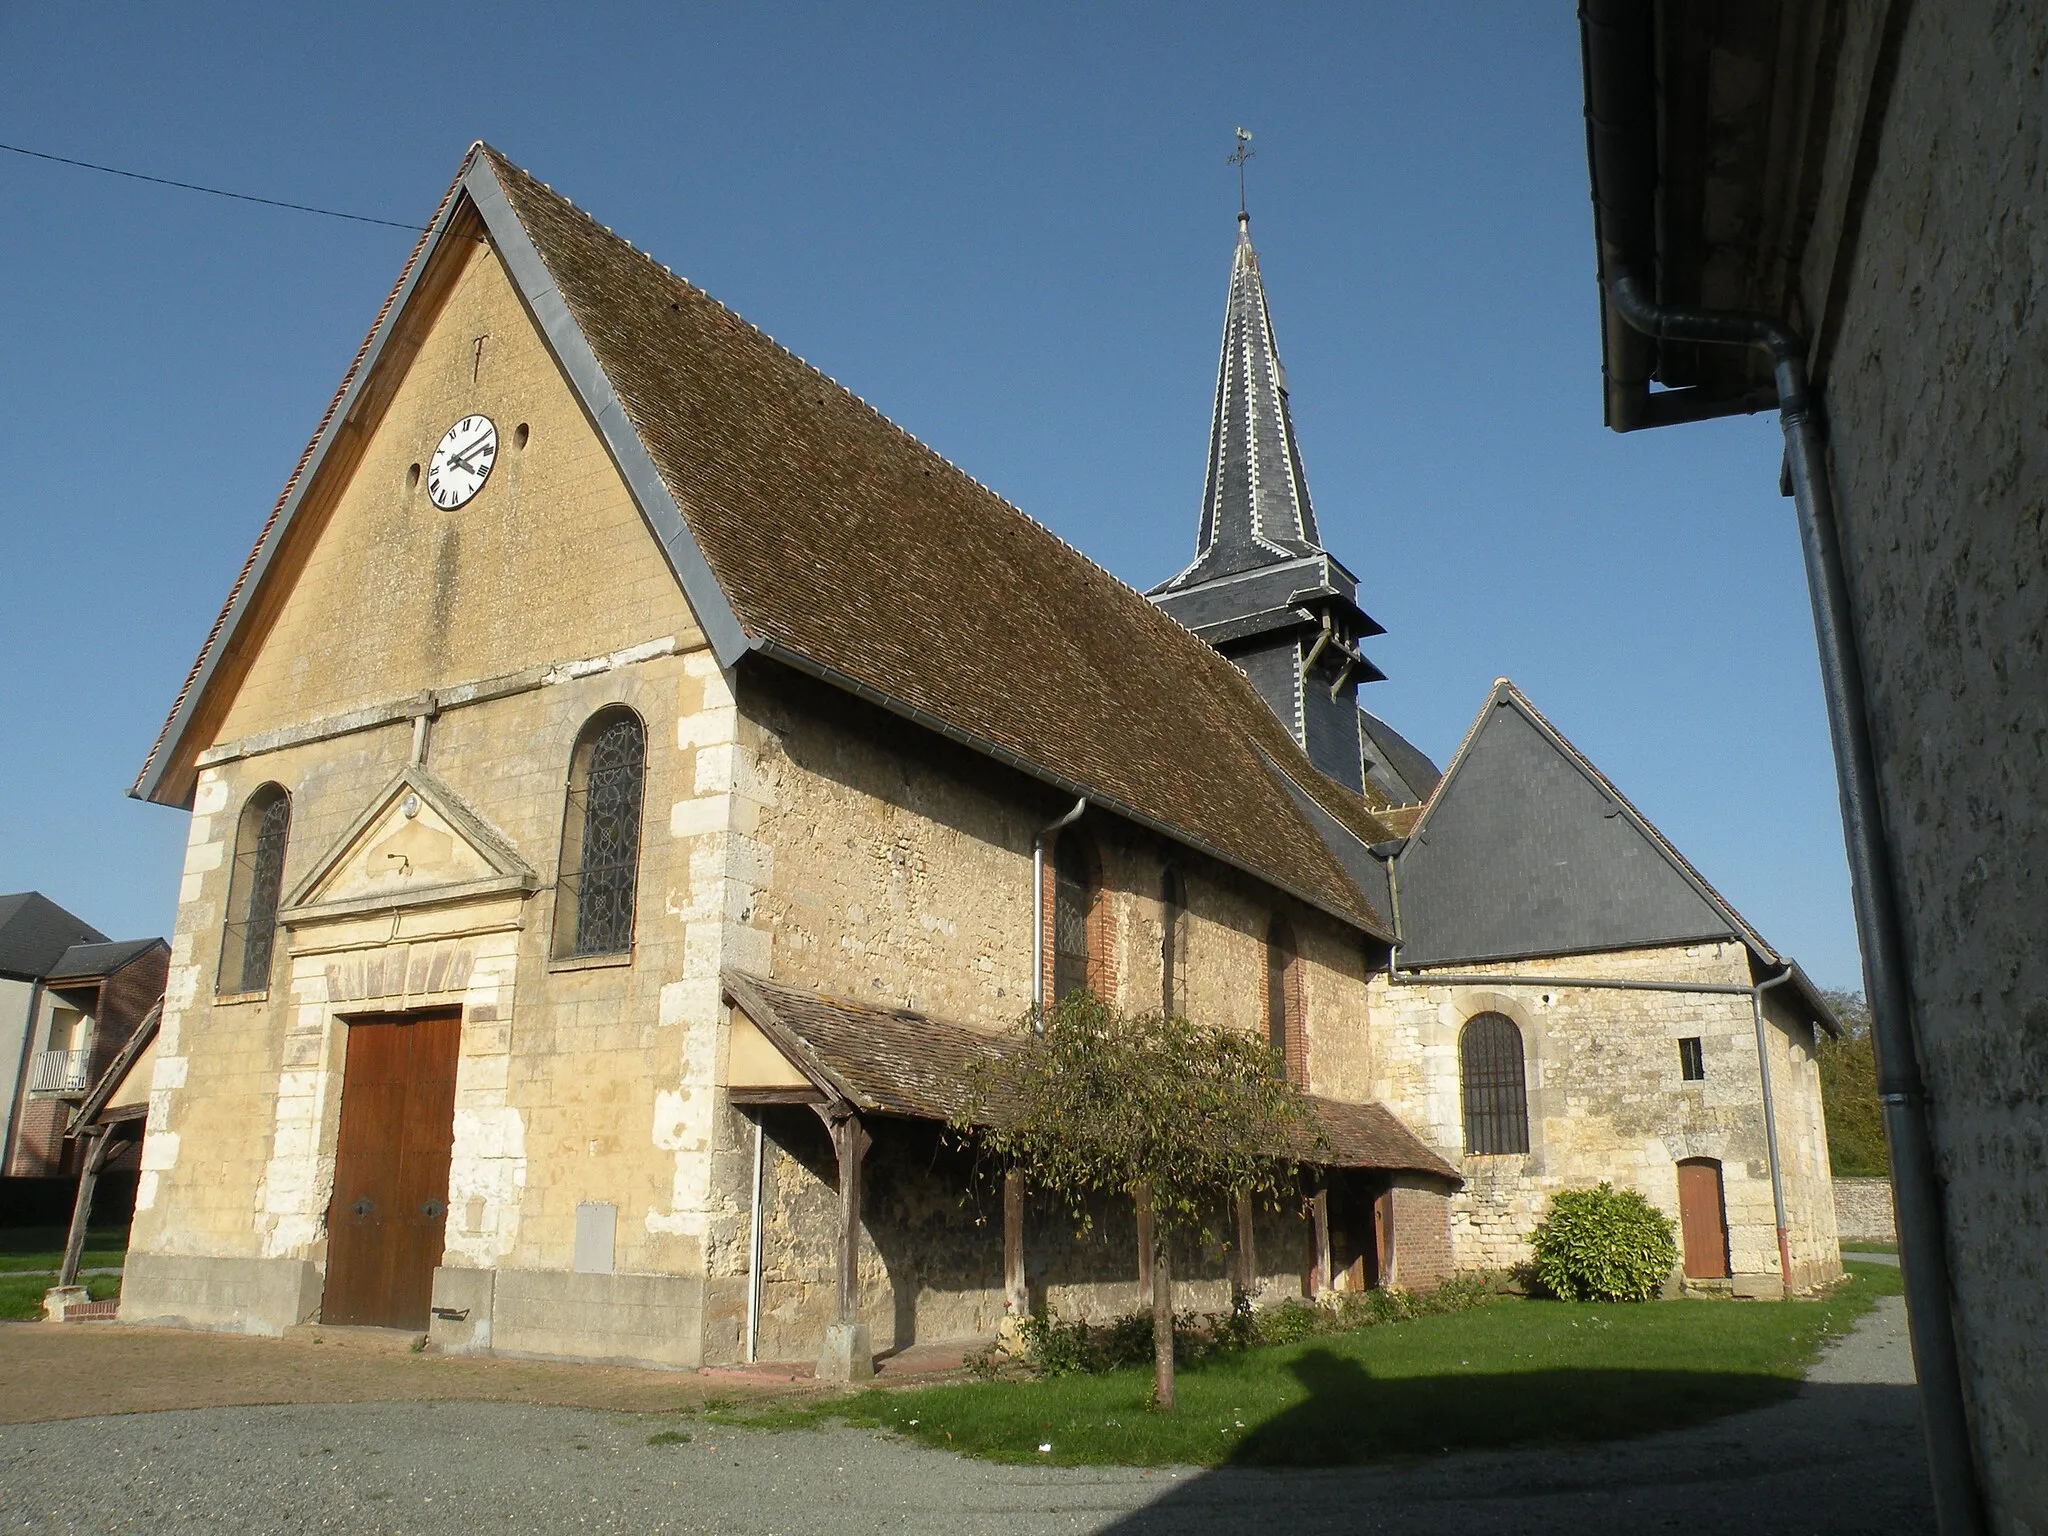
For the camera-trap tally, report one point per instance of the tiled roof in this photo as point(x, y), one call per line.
point(851, 546)
point(894, 1061)
point(35, 933)
point(832, 541)
point(90, 962)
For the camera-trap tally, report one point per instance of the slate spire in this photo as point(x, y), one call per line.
point(1255, 502)
point(1261, 588)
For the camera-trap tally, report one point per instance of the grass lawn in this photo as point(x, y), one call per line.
point(30, 1256)
point(1510, 1373)
point(1869, 1247)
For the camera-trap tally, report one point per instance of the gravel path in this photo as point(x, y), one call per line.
point(1843, 1456)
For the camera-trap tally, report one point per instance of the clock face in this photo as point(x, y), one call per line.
point(462, 461)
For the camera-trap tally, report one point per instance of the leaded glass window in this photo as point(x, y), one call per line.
point(1495, 1090)
point(1283, 1004)
point(1173, 942)
point(254, 887)
point(600, 870)
point(1077, 890)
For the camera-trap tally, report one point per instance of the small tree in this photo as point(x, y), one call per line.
point(1174, 1115)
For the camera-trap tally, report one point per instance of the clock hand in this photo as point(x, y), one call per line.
point(461, 460)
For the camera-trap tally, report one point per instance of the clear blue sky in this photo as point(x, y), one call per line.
point(1008, 228)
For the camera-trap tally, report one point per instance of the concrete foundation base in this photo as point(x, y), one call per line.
point(848, 1354)
point(261, 1296)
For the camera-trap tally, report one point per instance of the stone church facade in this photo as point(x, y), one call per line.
point(621, 819)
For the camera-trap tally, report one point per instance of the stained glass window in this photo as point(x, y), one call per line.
point(600, 870)
point(1495, 1091)
point(254, 887)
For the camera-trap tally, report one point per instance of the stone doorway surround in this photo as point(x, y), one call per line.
point(419, 905)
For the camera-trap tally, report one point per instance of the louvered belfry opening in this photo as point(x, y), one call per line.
point(254, 889)
point(1495, 1087)
point(600, 871)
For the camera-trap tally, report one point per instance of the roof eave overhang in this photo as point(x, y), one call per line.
point(1618, 53)
point(169, 777)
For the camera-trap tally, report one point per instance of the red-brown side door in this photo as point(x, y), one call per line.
point(1703, 1219)
point(387, 1224)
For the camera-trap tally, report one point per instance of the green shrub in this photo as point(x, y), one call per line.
point(1603, 1244)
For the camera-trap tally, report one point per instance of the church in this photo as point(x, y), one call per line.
point(632, 783)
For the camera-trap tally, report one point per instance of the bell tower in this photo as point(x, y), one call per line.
point(1261, 588)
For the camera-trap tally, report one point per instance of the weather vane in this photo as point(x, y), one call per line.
point(1244, 153)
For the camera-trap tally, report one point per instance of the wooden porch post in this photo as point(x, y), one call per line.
point(1320, 1213)
point(851, 1141)
point(1247, 1256)
point(1016, 1298)
point(100, 1138)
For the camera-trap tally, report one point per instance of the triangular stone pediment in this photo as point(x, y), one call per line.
point(417, 842)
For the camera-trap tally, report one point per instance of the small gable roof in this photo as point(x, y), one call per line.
point(806, 529)
point(1527, 849)
point(96, 962)
point(36, 933)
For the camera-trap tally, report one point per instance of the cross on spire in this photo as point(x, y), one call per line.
point(1244, 152)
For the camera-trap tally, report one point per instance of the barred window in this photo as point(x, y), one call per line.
point(600, 870)
point(1495, 1091)
point(1173, 942)
point(1692, 1059)
point(1283, 1001)
point(1077, 898)
point(254, 886)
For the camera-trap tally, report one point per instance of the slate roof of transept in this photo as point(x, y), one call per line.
point(804, 526)
point(1526, 849)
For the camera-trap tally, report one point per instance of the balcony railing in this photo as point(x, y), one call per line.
point(60, 1072)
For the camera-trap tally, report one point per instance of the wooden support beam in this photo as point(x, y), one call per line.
point(1016, 1296)
point(1319, 1211)
point(851, 1141)
point(99, 1139)
point(1247, 1255)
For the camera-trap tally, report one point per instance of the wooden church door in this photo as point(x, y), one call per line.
point(1702, 1218)
point(387, 1223)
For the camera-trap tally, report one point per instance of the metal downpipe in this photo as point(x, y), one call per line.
point(1915, 1182)
point(1763, 1067)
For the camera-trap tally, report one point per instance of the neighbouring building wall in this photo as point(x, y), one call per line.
point(1863, 1211)
point(17, 1017)
point(1608, 1101)
point(1934, 378)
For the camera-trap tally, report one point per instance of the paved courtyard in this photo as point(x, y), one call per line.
point(1844, 1456)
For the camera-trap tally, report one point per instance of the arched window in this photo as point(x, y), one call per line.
point(600, 868)
point(1495, 1091)
point(1283, 1001)
point(254, 886)
point(1173, 942)
point(1077, 950)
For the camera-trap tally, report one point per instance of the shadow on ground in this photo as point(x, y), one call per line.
point(1762, 1454)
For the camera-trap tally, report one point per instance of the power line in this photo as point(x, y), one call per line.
point(187, 186)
